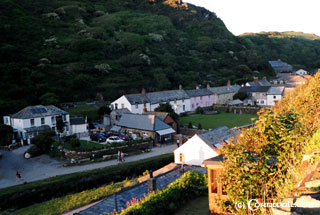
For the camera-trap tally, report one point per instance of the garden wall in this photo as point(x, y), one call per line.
point(236, 109)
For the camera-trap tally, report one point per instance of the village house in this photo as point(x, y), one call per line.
point(257, 82)
point(274, 95)
point(116, 114)
point(257, 95)
point(165, 117)
point(78, 126)
point(142, 102)
point(223, 95)
point(202, 146)
point(201, 98)
point(32, 120)
point(147, 126)
point(301, 72)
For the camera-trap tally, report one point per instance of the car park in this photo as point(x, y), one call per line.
point(98, 137)
point(114, 139)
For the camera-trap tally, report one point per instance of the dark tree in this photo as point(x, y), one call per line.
point(190, 125)
point(60, 125)
point(242, 96)
point(104, 110)
point(6, 133)
point(199, 126)
point(167, 108)
point(43, 141)
point(199, 110)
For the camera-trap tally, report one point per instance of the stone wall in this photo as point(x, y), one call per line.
point(236, 109)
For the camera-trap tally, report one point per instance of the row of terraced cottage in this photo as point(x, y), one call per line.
point(259, 92)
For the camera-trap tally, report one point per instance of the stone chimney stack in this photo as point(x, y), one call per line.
point(180, 86)
point(197, 87)
point(255, 79)
point(143, 91)
point(208, 86)
point(264, 78)
point(229, 83)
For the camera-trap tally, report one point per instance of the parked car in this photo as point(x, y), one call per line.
point(106, 134)
point(114, 139)
point(98, 137)
point(123, 136)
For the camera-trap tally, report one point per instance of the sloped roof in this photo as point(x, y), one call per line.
point(38, 111)
point(225, 89)
point(142, 122)
point(278, 63)
point(38, 128)
point(164, 96)
point(252, 89)
point(235, 102)
point(77, 121)
point(121, 111)
point(137, 98)
point(214, 137)
point(275, 90)
point(302, 70)
point(199, 92)
point(160, 115)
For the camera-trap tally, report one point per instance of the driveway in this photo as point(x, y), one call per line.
point(43, 166)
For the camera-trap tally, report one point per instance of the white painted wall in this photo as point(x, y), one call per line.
point(195, 151)
point(177, 106)
point(74, 129)
point(123, 102)
point(271, 100)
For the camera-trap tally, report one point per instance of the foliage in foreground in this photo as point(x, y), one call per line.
point(39, 191)
point(169, 200)
point(265, 161)
point(72, 201)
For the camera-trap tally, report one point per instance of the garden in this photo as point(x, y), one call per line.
point(212, 121)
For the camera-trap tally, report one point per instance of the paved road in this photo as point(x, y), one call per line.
point(43, 166)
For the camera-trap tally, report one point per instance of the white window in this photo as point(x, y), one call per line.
point(182, 99)
point(122, 105)
point(192, 105)
point(184, 107)
point(200, 97)
point(274, 97)
point(262, 102)
point(175, 101)
point(116, 106)
point(181, 157)
point(64, 118)
point(137, 105)
point(42, 121)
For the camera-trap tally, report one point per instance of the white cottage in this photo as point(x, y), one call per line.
point(202, 146)
point(79, 126)
point(274, 95)
point(139, 103)
point(30, 121)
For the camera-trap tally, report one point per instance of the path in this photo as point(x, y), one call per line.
point(43, 166)
point(119, 200)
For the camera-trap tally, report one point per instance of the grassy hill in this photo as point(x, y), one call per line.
point(54, 51)
point(297, 48)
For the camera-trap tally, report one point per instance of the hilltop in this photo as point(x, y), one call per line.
point(59, 51)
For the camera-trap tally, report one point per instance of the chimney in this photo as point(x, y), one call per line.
point(143, 91)
point(208, 86)
point(264, 78)
point(255, 79)
point(180, 86)
point(229, 83)
point(197, 87)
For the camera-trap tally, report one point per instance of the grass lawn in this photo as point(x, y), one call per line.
point(86, 146)
point(198, 206)
point(216, 120)
point(90, 111)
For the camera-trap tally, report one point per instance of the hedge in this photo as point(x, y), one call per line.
point(39, 191)
point(169, 200)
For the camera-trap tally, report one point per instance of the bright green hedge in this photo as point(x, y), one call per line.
point(169, 200)
point(39, 191)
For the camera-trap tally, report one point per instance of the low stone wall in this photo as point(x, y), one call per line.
point(103, 152)
point(236, 109)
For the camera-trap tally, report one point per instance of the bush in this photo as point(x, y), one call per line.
point(6, 134)
point(190, 125)
point(169, 200)
point(33, 151)
point(43, 141)
point(199, 110)
point(75, 143)
point(39, 191)
point(199, 126)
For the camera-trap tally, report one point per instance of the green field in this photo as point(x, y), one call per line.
point(213, 121)
point(88, 111)
point(198, 206)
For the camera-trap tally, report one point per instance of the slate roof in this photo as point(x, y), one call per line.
point(253, 89)
point(38, 111)
point(160, 115)
point(235, 102)
point(275, 90)
point(164, 96)
point(77, 121)
point(199, 92)
point(260, 83)
point(142, 122)
point(225, 89)
point(214, 137)
point(157, 97)
point(121, 111)
point(278, 63)
point(38, 128)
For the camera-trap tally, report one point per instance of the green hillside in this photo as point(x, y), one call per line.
point(296, 48)
point(54, 51)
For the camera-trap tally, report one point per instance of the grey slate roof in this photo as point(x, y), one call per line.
point(199, 92)
point(253, 89)
point(169, 95)
point(38, 128)
point(275, 90)
point(278, 63)
point(235, 102)
point(77, 121)
point(160, 115)
point(137, 98)
point(121, 111)
point(214, 137)
point(142, 122)
point(38, 111)
point(157, 97)
point(225, 89)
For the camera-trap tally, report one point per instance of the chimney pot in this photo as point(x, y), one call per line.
point(255, 79)
point(264, 78)
point(180, 86)
point(208, 86)
point(229, 83)
point(143, 91)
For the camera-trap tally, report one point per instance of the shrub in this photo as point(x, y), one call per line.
point(190, 125)
point(6, 133)
point(43, 141)
point(39, 191)
point(199, 126)
point(199, 110)
point(75, 143)
point(32, 152)
point(169, 200)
